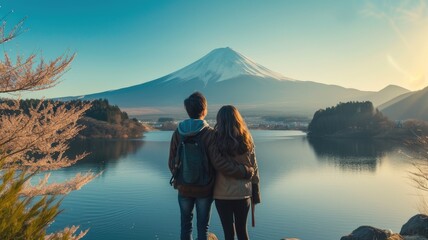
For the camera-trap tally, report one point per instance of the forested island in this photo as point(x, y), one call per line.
point(362, 120)
point(101, 120)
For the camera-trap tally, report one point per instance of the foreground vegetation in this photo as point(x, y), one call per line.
point(32, 141)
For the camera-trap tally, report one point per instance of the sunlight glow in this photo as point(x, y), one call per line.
point(409, 20)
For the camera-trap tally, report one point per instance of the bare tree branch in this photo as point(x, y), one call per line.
point(27, 75)
point(44, 188)
point(42, 136)
point(34, 140)
point(16, 30)
point(67, 233)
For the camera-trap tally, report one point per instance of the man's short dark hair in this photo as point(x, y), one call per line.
point(195, 105)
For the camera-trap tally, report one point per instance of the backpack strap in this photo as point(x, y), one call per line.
point(177, 162)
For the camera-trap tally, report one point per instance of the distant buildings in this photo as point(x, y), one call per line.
point(252, 123)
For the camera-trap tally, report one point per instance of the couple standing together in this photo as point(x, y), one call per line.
point(214, 164)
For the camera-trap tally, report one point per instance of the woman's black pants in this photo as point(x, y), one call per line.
point(233, 215)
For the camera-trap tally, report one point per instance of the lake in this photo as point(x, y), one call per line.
point(312, 190)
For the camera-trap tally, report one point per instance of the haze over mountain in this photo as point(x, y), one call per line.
point(407, 106)
point(225, 76)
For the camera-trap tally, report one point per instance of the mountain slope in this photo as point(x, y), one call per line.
point(223, 64)
point(408, 106)
point(228, 77)
point(381, 97)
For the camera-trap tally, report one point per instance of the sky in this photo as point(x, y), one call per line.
point(359, 44)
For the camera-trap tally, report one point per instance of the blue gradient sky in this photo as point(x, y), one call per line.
point(359, 44)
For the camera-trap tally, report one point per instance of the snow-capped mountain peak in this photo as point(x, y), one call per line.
point(222, 64)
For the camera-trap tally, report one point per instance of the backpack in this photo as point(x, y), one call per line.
point(191, 164)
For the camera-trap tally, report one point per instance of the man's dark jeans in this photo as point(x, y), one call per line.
point(203, 214)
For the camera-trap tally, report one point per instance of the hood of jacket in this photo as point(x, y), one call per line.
point(191, 126)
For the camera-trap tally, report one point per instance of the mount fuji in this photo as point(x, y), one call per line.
point(225, 76)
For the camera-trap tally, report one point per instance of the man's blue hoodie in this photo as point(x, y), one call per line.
point(190, 127)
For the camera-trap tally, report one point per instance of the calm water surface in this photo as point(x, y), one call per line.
point(313, 190)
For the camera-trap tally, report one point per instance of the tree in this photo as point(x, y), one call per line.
point(33, 141)
point(351, 118)
point(419, 173)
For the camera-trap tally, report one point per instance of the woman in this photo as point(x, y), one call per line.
point(233, 197)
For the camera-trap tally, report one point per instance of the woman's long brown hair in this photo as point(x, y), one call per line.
point(232, 135)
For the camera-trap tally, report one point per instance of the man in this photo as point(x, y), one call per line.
point(197, 194)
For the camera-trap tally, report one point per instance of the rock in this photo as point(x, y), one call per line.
point(415, 238)
point(211, 236)
point(396, 236)
point(368, 233)
point(417, 225)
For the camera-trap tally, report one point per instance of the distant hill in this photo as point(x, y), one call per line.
point(225, 76)
point(394, 100)
point(408, 106)
point(356, 120)
point(389, 92)
point(351, 119)
point(101, 120)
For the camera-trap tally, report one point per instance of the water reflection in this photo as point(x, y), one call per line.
point(104, 153)
point(353, 154)
point(301, 184)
